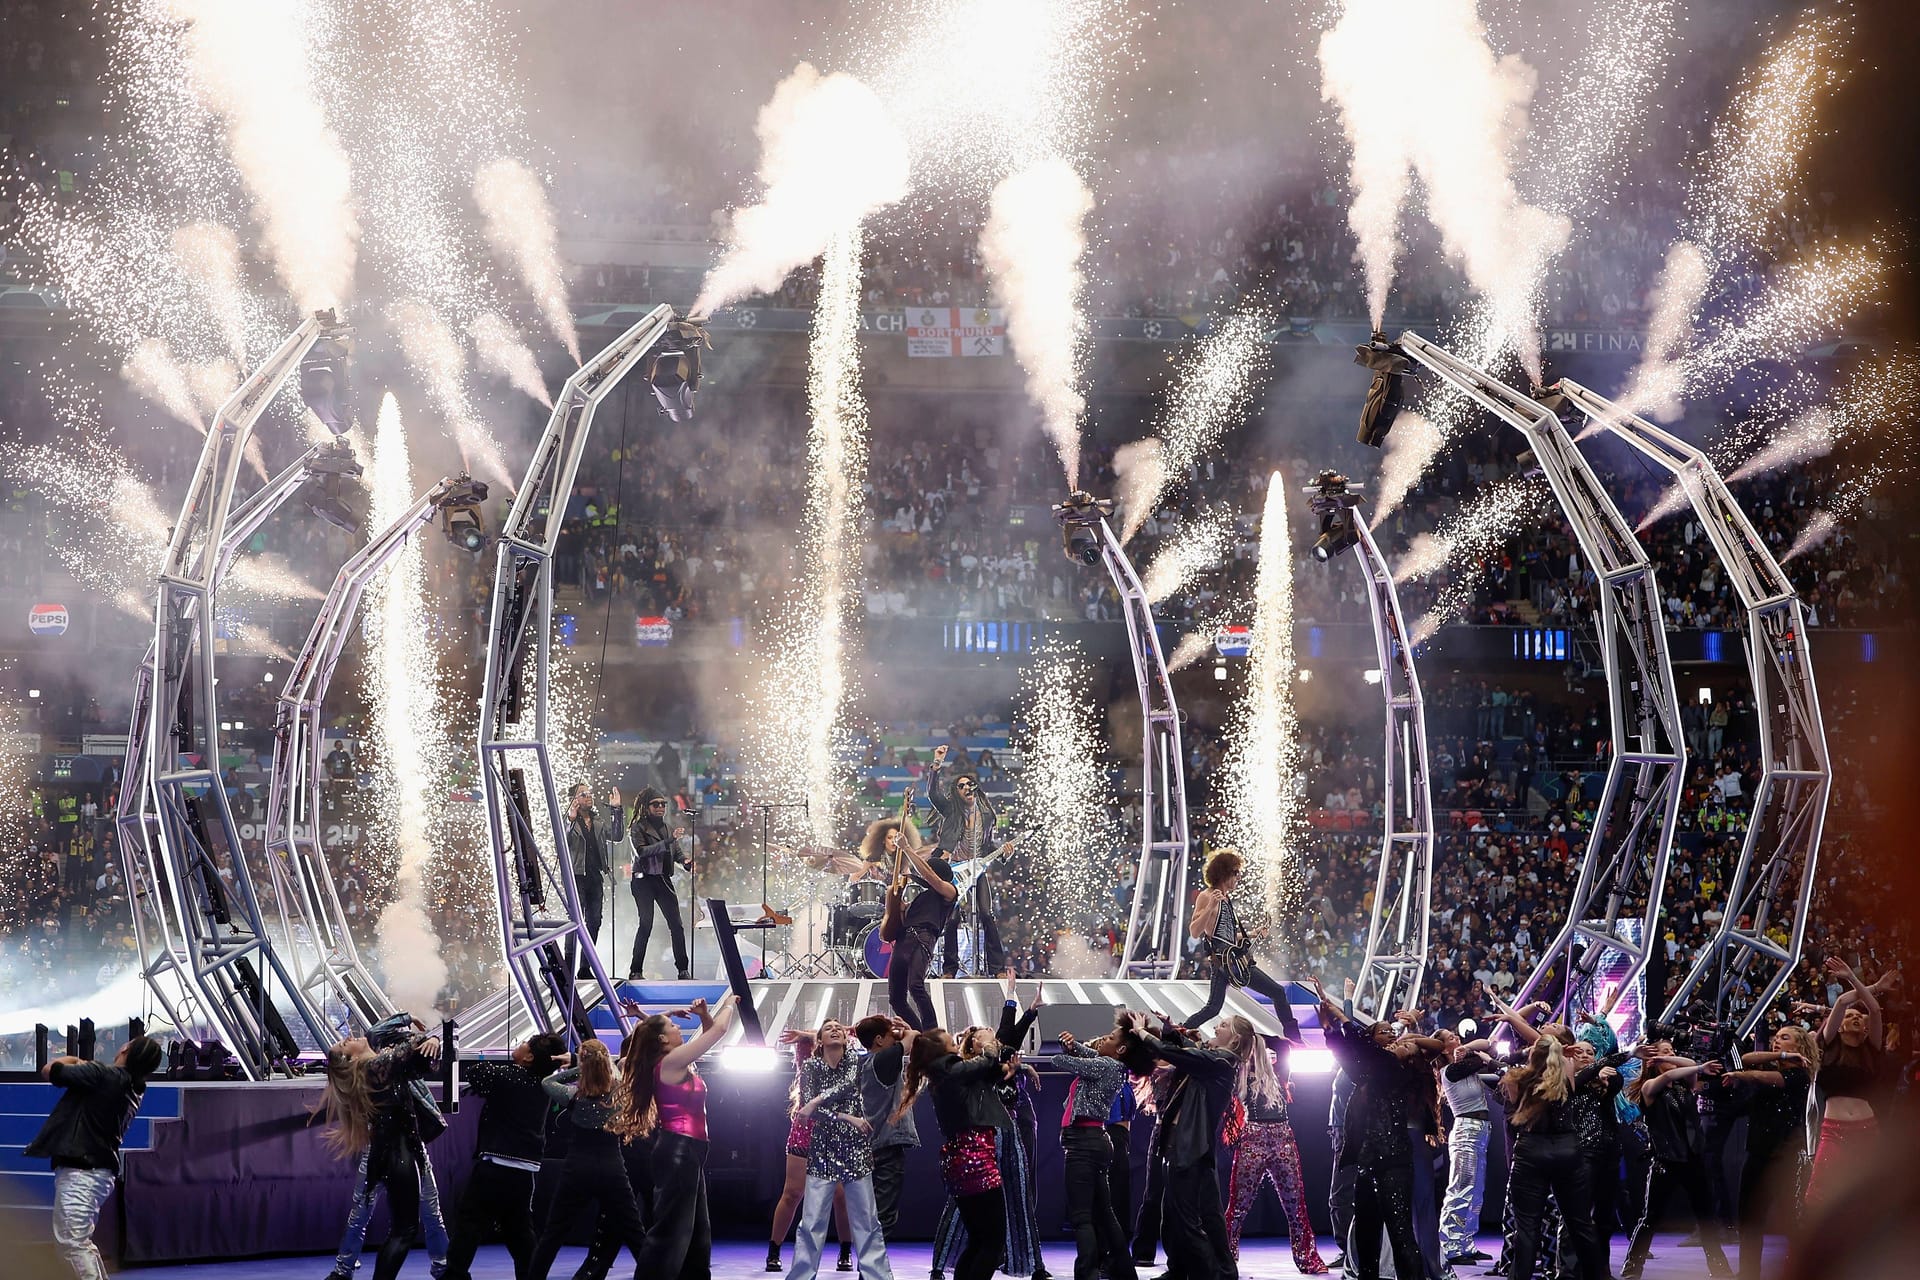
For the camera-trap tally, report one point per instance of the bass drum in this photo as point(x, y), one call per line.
point(874, 951)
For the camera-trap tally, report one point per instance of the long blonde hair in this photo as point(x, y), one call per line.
point(347, 1103)
point(1539, 1084)
point(1254, 1078)
point(596, 1070)
point(1808, 1047)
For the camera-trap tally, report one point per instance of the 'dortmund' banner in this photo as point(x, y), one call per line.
point(955, 331)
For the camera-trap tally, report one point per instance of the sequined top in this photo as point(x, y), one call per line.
point(1594, 1120)
point(683, 1106)
point(838, 1150)
point(1377, 1113)
point(1097, 1081)
point(1778, 1114)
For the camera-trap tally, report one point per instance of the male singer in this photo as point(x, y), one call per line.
point(963, 827)
point(656, 847)
point(588, 839)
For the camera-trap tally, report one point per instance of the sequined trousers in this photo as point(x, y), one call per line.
point(1012, 1174)
point(1268, 1152)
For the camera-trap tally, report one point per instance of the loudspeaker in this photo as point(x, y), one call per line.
point(1085, 1021)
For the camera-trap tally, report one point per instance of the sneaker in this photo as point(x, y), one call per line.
point(1466, 1259)
point(338, 1274)
point(684, 975)
point(773, 1256)
point(1339, 1262)
point(846, 1258)
point(1478, 1255)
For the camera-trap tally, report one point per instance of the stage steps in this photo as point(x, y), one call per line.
point(26, 1183)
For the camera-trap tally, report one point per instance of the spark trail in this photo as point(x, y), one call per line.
point(1064, 802)
point(501, 350)
point(520, 225)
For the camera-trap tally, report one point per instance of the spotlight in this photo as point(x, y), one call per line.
point(1333, 501)
point(674, 371)
point(1466, 1028)
point(1390, 363)
point(464, 531)
point(324, 498)
point(460, 518)
point(1080, 517)
point(323, 377)
point(1219, 673)
point(756, 1058)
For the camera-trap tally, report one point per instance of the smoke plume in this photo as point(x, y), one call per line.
point(520, 225)
point(829, 157)
point(1660, 381)
point(1412, 447)
point(155, 374)
point(1032, 243)
point(501, 350)
point(430, 347)
point(1140, 477)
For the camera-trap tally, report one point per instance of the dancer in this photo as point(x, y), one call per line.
point(1851, 1042)
point(665, 1095)
point(1013, 1150)
point(1267, 1150)
point(1664, 1093)
point(637, 1155)
point(964, 828)
point(971, 1115)
point(1195, 1225)
point(656, 850)
point(882, 1080)
point(926, 916)
point(1153, 1085)
point(1778, 1080)
point(839, 1159)
point(588, 840)
point(1228, 947)
point(593, 1173)
point(82, 1137)
point(1596, 1126)
point(1098, 1081)
point(369, 1107)
point(512, 1139)
point(1464, 1083)
point(1376, 1137)
point(1546, 1157)
point(433, 1228)
point(799, 1135)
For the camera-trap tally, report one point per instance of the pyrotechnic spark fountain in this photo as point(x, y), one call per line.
point(1412, 447)
point(209, 255)
point(155, 374)
point(1032, 243)
point(520, 225)
point(1064, 803)
point(501, 350)
point(829, 157)
point(213, 382)
point(431, 348)
point(406, 715)
point(1262, 762)
point(1599, 109)
point(1811, 435)
point(249, 62)
point(1420, 92)
point(1213, 393)
point(1193, 646)
point(1478, 529)
point(1818, 528)
point(1659, 381)
point(1198, 545)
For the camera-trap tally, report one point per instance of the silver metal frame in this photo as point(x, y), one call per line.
point(328, 959)
point(1627, 851)
point(543, 947)
point(221, 953)
point(1790, 804)
point(1162, 874)
point(1396, 960)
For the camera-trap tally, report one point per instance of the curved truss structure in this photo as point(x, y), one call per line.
point(1396, 959)
point(543, 936)
point(1781, 852)
point(1624, 870)
point(329, 962)
point(219, 953)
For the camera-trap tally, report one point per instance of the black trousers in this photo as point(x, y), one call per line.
point(1217, 992)
point(1426, 1205)
point(1147, 1222)
point(889, 1176)
point(1603, 1174)
point(1120, 1173)
point(390, 1164)
point(604, 1251)
point(1689, 1176)
point(680, 1241)
point(1763, 1176)
point(1383, 1200)
point(497, 1198)
point(592, 892)
point(1195, 1224)
point(985, 1218)
point(1717, 1127)
point(650, 892)
point(1544, 1163)
point(1636, 1161)
point(992, 953)
point(1346, 1177)
point(593, 1176)
point(907, 981)
point(1098, 1242)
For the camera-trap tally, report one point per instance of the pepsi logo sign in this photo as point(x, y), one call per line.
point(47, 619)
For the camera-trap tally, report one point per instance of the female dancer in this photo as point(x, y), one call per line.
point(1546, 1157)
point(839, 1158)
point(799, 1131)
point(1851, 1042)
point(369, 1107)
point(1267, 1150)
point(1664, 1092)
point(1776, 1127)
point(967, 1104)
point(1596, 1124)
point(594, 1173)
point(665, 1093)
point(1013, 1154)
point(1098, 1082)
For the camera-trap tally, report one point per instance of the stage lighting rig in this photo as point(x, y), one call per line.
point(1390, 364)
point(1333, 501)
point(674, 370)
point(325, 494)
point(323, 376)
point(1080, 516)
point(460, 518)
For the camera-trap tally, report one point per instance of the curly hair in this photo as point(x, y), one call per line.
point(1223, 864)
point(873, 845)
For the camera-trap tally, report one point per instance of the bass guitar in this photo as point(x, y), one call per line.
point(893, 921)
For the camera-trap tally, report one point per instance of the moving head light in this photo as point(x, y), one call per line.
point(1390, 364)
point(674, 370)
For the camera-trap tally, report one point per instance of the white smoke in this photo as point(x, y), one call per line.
point(209, 256)
point(1140, 476)
point(155, 374)
point(829, 156)
point(1420, 93)
point(1660, 380)
point(520, 225)
point(1810, 435)
point(1192, 647)
point(1200, 544)
point(501, 350)
point(249, 64)
point(1032, 244)
point(430, 347)
point(212, 384)
point(1412, 447)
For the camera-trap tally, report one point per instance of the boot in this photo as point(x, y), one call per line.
point(846, 1256)
point(773, 1256)
point(1717, 1264)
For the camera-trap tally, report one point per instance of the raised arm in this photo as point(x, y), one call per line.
point(1678, 1075)
point(1862, 995)
point(713, 1028)
point(1513, 1018)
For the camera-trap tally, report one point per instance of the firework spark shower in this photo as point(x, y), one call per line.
point(520, 224)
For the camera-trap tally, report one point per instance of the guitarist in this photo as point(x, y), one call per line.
point(926, 916)
point(1229, 949)
point(963, 826)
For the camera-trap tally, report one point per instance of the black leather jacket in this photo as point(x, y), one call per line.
point(588, 843)
point(966, 1092)
point(1202, 1092)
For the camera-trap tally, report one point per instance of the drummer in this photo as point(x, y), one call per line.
point(882, 844)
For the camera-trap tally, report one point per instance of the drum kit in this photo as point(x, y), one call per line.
point(850, 930)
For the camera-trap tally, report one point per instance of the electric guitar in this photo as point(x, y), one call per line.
point(893, 921)
point(1234, 958)
point(968, 874)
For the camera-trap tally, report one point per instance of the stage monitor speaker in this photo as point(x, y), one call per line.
point(1085, 1021)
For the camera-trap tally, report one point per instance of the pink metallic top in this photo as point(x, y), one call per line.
point(683, 1106)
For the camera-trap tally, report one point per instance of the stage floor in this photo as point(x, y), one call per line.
point(733, 1260)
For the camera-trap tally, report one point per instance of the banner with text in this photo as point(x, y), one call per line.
point(955, 331)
